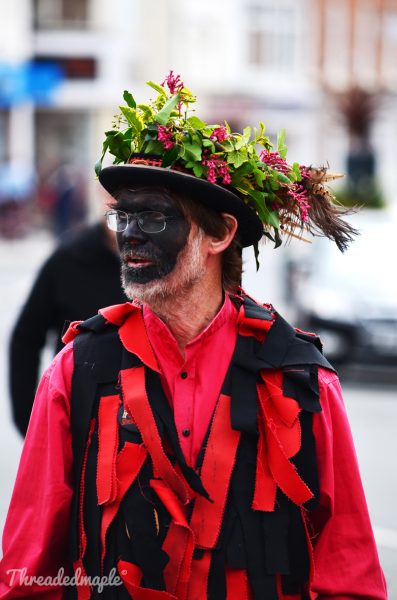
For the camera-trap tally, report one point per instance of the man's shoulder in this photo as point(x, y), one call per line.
point(115, 315)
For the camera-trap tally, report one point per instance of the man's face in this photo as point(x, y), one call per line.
point(150, 256)
point(158, 265)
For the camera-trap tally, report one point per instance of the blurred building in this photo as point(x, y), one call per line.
point(249, 60)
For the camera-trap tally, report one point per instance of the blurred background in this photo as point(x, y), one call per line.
point(326, 70)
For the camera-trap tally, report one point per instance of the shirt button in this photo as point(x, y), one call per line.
point(186, 432)
point(184, 374)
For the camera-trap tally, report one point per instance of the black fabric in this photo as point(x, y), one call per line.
point(162, 409)
point(81, 276)
point(265, 544)
point(301, 383)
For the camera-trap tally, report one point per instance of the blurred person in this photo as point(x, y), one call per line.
point(17, 191)
point(190, 444)
point(81, 276)
point(62, 197)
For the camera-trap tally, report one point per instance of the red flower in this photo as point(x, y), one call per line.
point(274, 160)
point(216, 169)
point(299, 195)
point(219, 134)
point(174, 82)
point(164, 135)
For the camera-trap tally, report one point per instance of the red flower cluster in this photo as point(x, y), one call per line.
point(216, 169)
point(219, 134)
point(274, 160)
point(299, 195)
point(174, 82)
point(164, 135)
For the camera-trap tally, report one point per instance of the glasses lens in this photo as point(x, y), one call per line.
point(151, 221)
point(116, 220)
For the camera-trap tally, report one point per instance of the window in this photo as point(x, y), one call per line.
point(274, 34)
point(60, 14)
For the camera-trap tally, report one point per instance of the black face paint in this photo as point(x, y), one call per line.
point(149, 256)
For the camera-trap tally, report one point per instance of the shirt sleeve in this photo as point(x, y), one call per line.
point(345, 555)
point(36, 533)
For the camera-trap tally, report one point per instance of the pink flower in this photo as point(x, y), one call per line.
point(274, 160)
point(216, 169)
point(219, 134)
point(164, 135)
point(174, 82)
point(299, 196)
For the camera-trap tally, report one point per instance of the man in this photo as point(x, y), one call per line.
point(191, 444)
point(80, 276)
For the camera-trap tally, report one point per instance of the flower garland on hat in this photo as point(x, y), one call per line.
point(287, 198)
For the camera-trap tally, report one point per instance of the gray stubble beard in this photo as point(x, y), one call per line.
point(189, 269)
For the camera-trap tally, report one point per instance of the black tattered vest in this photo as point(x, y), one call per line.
point(266, 546)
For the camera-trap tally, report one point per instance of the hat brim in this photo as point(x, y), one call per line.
point(211, 195)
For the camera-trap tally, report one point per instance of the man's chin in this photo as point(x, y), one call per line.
point(145, 292)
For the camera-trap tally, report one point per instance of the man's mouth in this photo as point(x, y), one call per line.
point(137, 262)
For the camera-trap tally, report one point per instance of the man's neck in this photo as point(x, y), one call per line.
point(188, 315)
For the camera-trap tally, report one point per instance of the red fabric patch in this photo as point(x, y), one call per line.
point(83, 591)
point(137, 403)
point(237, 587)
point(256, 327)
point(178, 544)
point(71, 332)
point(199, 577)
point(128, 464)
point(279, 440)
point(131, 575)
point(219, 459)
point(117, 313)
point(106, 482)
point(134, 338)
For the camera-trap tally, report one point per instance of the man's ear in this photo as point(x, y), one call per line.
point(219, 244)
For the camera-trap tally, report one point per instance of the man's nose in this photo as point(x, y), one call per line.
point(133, 234)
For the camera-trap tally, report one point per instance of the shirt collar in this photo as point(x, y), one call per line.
point(156, 327)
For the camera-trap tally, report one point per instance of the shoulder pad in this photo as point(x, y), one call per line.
point(308, 336)
point(256, 311)
point(95, 323)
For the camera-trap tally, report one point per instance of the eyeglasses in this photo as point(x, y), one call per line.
point(149, 221)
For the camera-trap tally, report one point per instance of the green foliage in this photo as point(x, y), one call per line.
point(163, 127)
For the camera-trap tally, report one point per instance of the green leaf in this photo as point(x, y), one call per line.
point(256, 253)
point(281, 147)
point(237, 158)
point(260, 176)
point(209, 144)
point(243, 139)
point(119, 147)
point(129, 99)
point(164, 114)
point(170, 156)
point(198, 169)
point(278, 240)
point(259, 202)
point(133, 118)
point(192, 151)
point(274, 219)
point(196, 123)
point(296, 172)
point(282, 177)
point(147, 112)
point(154, 147)
point(157, 87)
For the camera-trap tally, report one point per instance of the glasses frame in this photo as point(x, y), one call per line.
point(137, 217)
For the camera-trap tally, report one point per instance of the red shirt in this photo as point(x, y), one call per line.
point(36, 531)
point(193, 383)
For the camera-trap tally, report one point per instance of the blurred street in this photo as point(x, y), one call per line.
point(372, 409)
